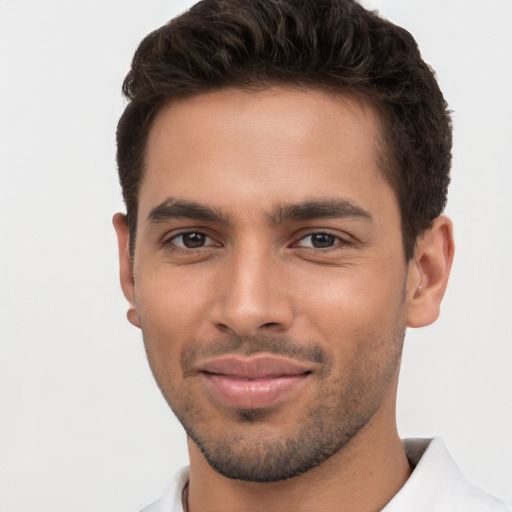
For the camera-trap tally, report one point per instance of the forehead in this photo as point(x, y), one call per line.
point(252, 149)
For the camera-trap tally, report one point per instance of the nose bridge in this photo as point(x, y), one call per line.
point(251, 296)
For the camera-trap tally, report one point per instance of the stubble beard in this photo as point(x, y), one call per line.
point(252, 452)
point(267, 458)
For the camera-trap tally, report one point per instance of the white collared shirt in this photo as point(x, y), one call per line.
point(435, 485)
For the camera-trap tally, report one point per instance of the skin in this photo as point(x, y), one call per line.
point(258, 285)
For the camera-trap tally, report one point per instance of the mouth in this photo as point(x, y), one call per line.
point(255, 382)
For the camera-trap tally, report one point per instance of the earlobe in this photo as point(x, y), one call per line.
point(429, 271)
point(126, 267)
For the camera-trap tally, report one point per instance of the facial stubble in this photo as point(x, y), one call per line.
point(250, 447)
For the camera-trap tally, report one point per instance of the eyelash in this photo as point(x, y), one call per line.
point(339, 242)
point(171, 241)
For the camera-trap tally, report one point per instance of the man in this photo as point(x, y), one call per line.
point(284, 165)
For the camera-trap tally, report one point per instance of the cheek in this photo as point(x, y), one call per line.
point(170, 303)
point(173, 305)
point(162, 325)
point(351, 301)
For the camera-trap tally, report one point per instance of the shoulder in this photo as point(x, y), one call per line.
point(438, 485)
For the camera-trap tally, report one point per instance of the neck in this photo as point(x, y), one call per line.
point(363, 476)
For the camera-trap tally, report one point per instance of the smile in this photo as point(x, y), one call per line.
point(253, 383)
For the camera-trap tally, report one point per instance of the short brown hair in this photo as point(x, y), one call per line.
point(335, 45)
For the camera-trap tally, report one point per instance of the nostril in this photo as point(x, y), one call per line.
point(223, 328)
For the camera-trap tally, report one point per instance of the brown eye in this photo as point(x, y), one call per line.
point(322, 240)
point(319, 241)
point(191, 240)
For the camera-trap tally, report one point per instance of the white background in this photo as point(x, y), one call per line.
point(83, 427)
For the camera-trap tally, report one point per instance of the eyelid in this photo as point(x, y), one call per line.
point(169, 239)
point(342, 240)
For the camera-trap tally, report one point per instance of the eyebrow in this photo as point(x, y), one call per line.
point(322, 209)
point(173, 208)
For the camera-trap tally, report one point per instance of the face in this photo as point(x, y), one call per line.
point(269, 278)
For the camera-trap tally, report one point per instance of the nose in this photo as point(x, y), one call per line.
point(252, 297)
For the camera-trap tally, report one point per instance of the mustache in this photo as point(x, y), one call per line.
point(278, 346)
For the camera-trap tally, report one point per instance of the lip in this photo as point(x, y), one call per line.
point(255, 382)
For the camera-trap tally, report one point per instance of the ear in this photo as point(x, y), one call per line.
point(126, 267)
point(428, 273)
